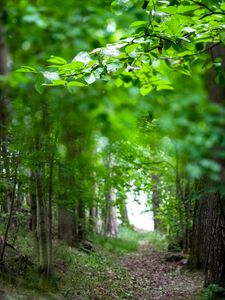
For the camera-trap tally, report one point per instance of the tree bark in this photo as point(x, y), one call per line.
point(33, 208)
point(156, 201)
point(66, 225)
point(208, 246)
point(110, 219)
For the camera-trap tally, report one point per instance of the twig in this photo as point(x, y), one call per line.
point(212, 12)
point(203, 5)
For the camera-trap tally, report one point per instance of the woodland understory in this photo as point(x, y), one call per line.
point(104, 103)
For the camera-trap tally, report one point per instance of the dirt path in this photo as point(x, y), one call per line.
point(159, 279)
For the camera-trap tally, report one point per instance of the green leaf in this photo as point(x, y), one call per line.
point(222, 6)
point(83, 57)
point(57, 60)
point(130, 48)
point(26, 69)
point(39, 86)
point(74, 65)
point(56, 82)
point(76, 83)
point(90, 78)
point(138, 24)
point(189, 29)
point(145, 89)
point(222, 36)
point(187, 8)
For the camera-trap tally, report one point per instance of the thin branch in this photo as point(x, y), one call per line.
point(212, 12)
point(207, 15)
point(203, 5)
point(158, 36)
point(202, 51)
point(193, 54)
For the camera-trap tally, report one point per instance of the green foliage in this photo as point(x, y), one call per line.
point(213, 292)
point(167, 39)
point(90, 275)
point(155, 239)
point(117, 245)
point(150, 122)
point(24, 242)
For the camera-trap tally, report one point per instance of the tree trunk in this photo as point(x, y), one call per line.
point(33, 208)
point(203, 220)
point(12, 200)
point(41, 222)
point(4, 104)
point(208, 246)
point(110, 219)
point(50, 235)
point(156, 201)
point(215, 265)
point(66, 225)
point(81, 234)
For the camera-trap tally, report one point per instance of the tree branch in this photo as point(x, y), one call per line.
point(212, 12)
point(203, 5)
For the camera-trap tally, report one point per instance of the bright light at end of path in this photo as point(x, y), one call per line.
point(137, 212)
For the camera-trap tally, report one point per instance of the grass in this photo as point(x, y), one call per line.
point(128, 241)
point(116, 245)
point(90, 276)
point(155, 239)
point(79, 275)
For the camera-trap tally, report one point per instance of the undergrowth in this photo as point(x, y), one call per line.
point(80, 275)
point(90, 276)
point(213, 292)
point(128, 241)
point(116, 245)
point(156, 240)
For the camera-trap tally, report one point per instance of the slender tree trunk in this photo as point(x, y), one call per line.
point(4, 114)
point(33, 208)
point(41, 212)
point(12, 200)
point(156, 201)
point(124, 214)
point(41, 221)
point(4, 103)
point(81, 221)
point(50, 235)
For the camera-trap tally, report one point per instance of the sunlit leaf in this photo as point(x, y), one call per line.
point(76, 83)
point(26, 69)
point(57, 60)
point(138, 23)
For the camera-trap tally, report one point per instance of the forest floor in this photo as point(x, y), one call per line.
point(142, 273)
point(159, 279)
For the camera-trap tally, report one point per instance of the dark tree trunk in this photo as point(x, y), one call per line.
point(81, 234)
point(208, 240)
point(215, 265)
point(66, 225)
point(156, 201)
point(33, 208)
point(203, 221)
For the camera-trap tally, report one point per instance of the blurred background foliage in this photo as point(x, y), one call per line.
point(123, 131)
